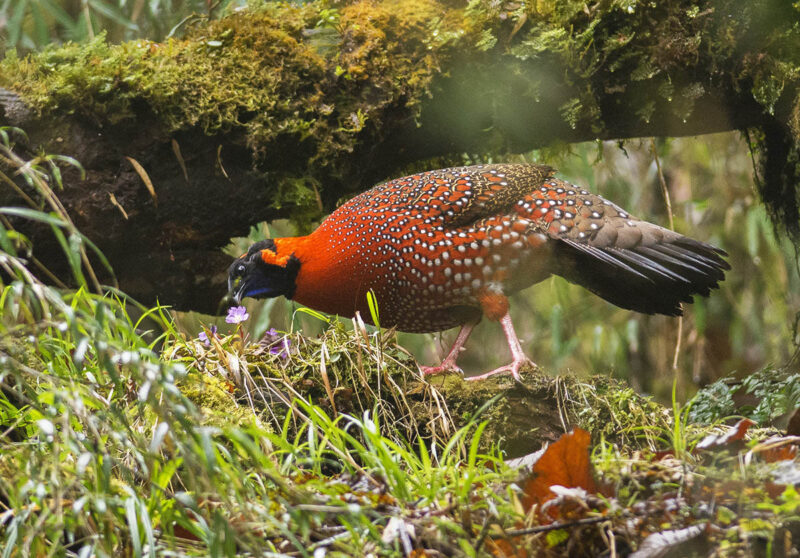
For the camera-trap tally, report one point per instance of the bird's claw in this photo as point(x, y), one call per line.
point(444, 368)
point(513, 368)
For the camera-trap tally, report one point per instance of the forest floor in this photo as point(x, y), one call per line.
point(123, 434)
point(120, 441)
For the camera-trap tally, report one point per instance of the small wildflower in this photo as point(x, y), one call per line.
point(236, 314)
point(281, 349)
point(204, 338)
point(276, 343)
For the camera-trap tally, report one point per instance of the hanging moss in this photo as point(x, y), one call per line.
point(319, 82)
point(267, 71)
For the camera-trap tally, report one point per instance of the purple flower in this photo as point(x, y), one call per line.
point(204, 338)
point(281, 349)
point(236, 314)
point(276, 343)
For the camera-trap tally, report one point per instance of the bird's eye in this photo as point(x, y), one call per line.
point(240, 269)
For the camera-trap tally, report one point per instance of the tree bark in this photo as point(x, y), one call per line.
point(282, 112)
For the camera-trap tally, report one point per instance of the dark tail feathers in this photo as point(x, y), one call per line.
point(652, 279)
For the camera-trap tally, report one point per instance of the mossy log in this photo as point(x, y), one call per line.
point(355, 376)
point(285, 109)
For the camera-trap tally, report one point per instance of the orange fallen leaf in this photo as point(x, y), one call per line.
point(565, 463)
point(777, 448)
point(735, 434)
point(785, 453)
point(502, 548)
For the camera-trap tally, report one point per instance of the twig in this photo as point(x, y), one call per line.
point(551, 527)
point(482, 536)
point(665, 192)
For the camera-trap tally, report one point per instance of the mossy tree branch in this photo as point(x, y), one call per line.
point(284, 110)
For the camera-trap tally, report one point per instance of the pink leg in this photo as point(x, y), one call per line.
point(449, 362)
point(519, 358)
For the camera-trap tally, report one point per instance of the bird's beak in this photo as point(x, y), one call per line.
point(236, 288)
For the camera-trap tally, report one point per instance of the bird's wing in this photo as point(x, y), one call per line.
point(459, 196)
point(630, 262)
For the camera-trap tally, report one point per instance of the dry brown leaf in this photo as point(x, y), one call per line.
point(145, 178)
point(658, 545)
point(735, 434)
point(176, 149)
point(785, 453)
point(565, 463)
point(776, 448)
point(116, 204)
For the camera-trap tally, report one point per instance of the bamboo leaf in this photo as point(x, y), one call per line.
point(145, 178)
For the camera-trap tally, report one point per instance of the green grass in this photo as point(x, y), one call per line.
point(102, 452)
point(123, 435)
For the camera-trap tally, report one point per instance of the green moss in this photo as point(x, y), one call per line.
point(311, 84)
point(268, 71)
point(214, 396)
point(307, 76)
point(346, 372)
point(323, 74)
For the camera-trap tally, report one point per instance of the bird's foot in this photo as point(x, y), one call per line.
point(444, 368)
point(512, 368)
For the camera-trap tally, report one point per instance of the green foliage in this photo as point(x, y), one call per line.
point(102, 453)
point(762, 396)
point(121, 435)
point(36, 24)
point(326, 79)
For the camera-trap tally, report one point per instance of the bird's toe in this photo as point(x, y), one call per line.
point(444, 368)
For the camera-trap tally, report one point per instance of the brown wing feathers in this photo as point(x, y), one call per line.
point(652, 277)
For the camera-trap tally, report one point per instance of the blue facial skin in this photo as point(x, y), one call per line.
point(250, 276)
point(256, 292)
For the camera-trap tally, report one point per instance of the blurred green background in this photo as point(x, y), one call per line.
point(746, 325)
point(34, 24)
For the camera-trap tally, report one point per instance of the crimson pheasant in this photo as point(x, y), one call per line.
point(443, 248)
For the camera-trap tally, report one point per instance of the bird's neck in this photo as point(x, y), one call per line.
point(326, 280)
